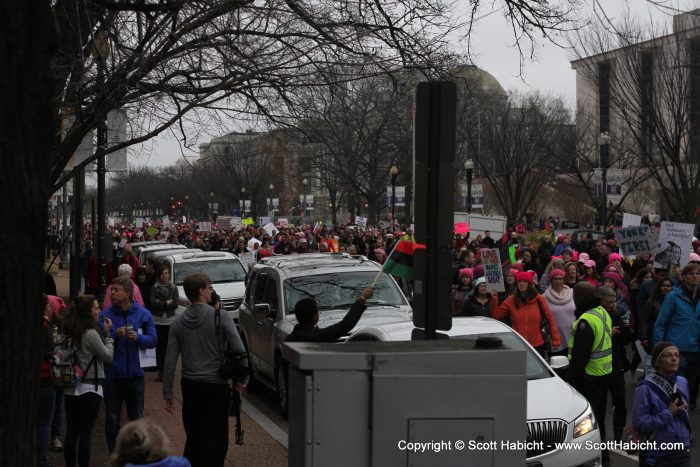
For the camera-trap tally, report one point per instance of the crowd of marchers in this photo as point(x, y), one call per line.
point(581, 300)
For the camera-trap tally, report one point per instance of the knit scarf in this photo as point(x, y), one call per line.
point(559, 298)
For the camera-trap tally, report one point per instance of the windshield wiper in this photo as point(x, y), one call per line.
point(383, 304)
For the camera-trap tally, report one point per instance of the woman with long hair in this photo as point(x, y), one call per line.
point(82, 401)
point(509, 282)
point(164, 301)
point(571, 278)
point(462, 289)
point(525, 308)
point(590, 273)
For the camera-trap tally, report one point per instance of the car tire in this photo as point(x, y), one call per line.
point(282, 387)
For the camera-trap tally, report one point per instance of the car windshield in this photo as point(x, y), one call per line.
point(534, 366)
point(219, 271)
point(341, 289)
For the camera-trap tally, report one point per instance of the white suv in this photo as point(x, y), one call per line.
point(225, 270)
point(556, 412)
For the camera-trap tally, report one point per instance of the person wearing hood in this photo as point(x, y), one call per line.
point(145, 444)
point(590, 353)
point(205, 393)
point(660, 409)
point(132, 331)
point(560, 299)
point(478, 302)
point(678, 323)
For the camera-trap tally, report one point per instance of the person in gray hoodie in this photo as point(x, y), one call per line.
point(205, 394)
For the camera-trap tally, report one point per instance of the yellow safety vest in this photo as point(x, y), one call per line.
point(600, 363)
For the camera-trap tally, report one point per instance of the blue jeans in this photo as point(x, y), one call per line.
point(57, 413)
point(43, 424)
point(118, 391)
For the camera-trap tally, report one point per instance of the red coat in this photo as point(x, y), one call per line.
point(526, 319)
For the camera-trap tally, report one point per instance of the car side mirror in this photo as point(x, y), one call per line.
point(262, 309)
point(558, 362)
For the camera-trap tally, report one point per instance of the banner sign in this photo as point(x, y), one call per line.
point(477, 195)
point(674, 245)
point(631, 220)
point(399, 193)
point(493, 273)
point(636, 240)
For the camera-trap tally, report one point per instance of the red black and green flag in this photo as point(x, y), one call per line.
point(400, 261)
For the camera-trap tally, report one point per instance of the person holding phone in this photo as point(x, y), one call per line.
point(660, 409)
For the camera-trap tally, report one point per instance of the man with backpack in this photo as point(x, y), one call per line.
point(132, 330)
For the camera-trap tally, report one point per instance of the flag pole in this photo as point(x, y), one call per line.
point(387, 259)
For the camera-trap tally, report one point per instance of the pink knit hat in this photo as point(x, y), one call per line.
point(528, 276)
point(556, 273)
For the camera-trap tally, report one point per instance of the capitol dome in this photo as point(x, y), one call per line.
point(477, 80)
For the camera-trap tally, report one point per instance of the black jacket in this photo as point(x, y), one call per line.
point(472, 307)
point(312, 333)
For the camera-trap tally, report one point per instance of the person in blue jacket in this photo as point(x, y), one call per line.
point(679, 322)
point(132, 330)
point(660, 411)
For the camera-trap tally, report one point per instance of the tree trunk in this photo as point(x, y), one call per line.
point(26, 43)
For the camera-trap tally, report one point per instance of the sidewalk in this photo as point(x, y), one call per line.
point(259, 449)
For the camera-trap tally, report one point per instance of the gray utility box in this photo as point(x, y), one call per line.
point(373, 404)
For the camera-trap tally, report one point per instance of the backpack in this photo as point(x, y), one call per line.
point(65, 367)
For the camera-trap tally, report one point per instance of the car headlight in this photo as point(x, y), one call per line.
point(585, 423)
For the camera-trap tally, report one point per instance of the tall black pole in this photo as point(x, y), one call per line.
point(76, 265)
point(393, 202)
point(604, 159)
point(469, 190)
point(101, 230)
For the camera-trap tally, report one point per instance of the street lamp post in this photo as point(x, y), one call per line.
point(211, 205)
point(469, 170)
point(394, 171)
point(604, 142)
point(304, 182)
point(242, 201)
point(270, 208)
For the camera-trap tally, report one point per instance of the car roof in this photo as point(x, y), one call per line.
point(169, 251)
point(314, 263)
point(199, 256)
point(461, 326)
point(162, 246)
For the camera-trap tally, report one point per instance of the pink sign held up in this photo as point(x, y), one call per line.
point(461, 228)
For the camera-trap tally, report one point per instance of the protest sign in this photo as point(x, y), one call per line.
point(247, 221)
point(246, 258)
point(636, 240)
point(138, 222)
point(631, 220)
point(461, 228)
point(270, 229)
point(674, 245)
point(493, 273)
point(361, 221)
point(166, 222)
point(283, 222)
point(254, 244)
point(122, 242)
point(236, 222)
point(223, 222)
point(205, 226)
point(264, 220)
point(152, 231)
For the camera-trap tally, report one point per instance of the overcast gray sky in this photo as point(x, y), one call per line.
point(492, 47)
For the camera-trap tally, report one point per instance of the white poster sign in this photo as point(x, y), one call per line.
point(205, 226)
point(166, 221)
point(493, 273)
point(254, 244)
point(636, 240)
point(264, 220)
point(147, 357)
point(361, 221)
point(631, 220)
point(236, 223)
point(674, 244)
point(246, 258)
point(223, 222)
point(138, 222)
point(122, 242)
point(283, 222)
point(270, 229)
